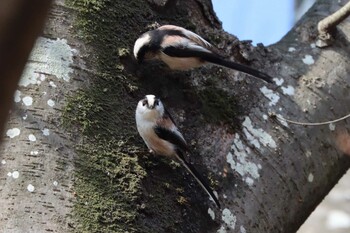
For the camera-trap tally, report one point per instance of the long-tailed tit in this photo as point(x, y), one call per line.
point(162, 137)
point(182, 49)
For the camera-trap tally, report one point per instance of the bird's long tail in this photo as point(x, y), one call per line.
point(198, 178)
point(239, 67)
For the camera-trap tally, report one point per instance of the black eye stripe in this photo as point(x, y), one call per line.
point(144, 102)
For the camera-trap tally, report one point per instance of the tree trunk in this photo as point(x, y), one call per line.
point(72, 159)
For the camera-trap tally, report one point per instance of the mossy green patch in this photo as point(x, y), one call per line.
point(217, 106)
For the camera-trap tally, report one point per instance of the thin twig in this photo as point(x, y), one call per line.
point(274, 115)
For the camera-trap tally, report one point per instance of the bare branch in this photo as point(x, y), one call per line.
point(326, 27)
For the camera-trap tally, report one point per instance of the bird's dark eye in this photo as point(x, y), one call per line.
point(144, 102)
point(156, 102)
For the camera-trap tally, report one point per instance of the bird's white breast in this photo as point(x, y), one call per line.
point(153, 142)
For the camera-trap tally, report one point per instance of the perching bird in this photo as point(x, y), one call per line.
point(182, 49)
point(162, 137)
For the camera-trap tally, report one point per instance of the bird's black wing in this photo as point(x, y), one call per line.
point(172, 137)
point(209, 56)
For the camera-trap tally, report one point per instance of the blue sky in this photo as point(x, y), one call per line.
point(264, 21)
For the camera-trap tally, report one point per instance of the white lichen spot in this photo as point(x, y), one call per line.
point(25, 117)
point(17, 96)
point(52, 84)
point(53, 57)
point(289, 90)
point(222, 230)
point(257, 136)
point(291, 49)
point(51, 103)
point(9, 174)
point(273, 97)
point(331, 127)
point(35, 152)
point(265, 117)
point(249, 181)
point(228, 218)
point(211, 213)
point(27, 100)
point(313, 45)
point(3, 162)
point(55, 183)
point(42, 77)
point(241, 164)
point(32, 138)
point(308, 154)
point(338, 219)
point(224, 196)
point(308, 60)
point(310, 178)
point(13, 132)
point(30, 188)
point(15, 174)
point(46, 132)
point(278, 82)
point(281, 120)
point(243, 230)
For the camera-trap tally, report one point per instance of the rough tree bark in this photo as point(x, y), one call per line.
point(72, 160)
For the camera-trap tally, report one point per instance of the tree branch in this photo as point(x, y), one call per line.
point(326, 27)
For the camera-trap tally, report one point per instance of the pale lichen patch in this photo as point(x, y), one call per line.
point(257, 136)
point(248, 170)
point(30, 188)
point(289, 90)
point(310, 178)
point(31, 137)
point(211, 213)
point(17, 96)
point(51, 103)
point(278, 82)
point(268, 93)
point(331, 126)
point(229, 219)
point(308, 60)
point(3, 162)
point(35, 152)
point(243, 230)
point(15, 175)
point(13, 132)
point(291, 49)
point(281, 120)
point(46, 132)
point(48, 55)
point(52, 84)
point(27, 101)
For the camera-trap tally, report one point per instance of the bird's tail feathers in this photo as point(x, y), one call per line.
point(198, 178)
point(239, 67)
